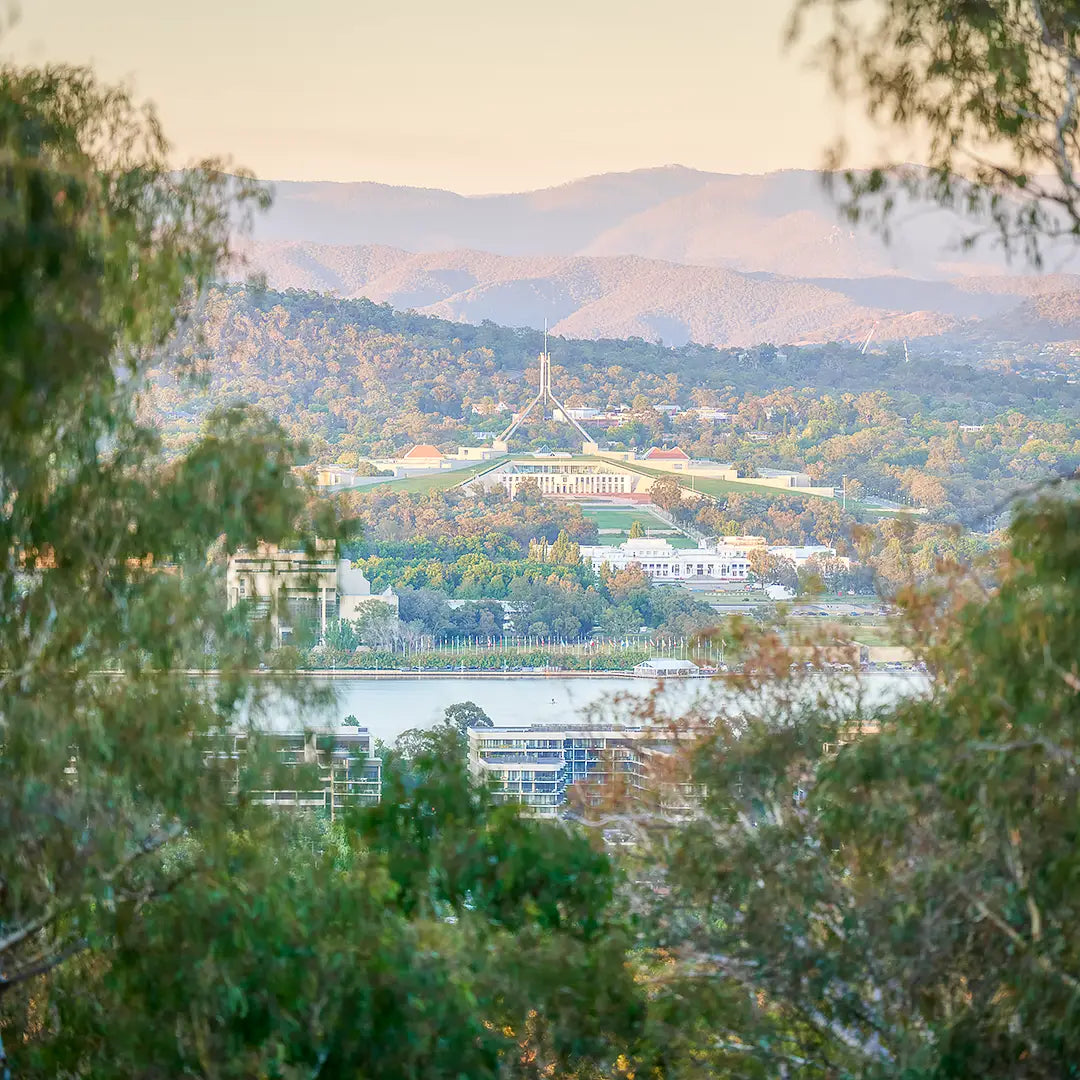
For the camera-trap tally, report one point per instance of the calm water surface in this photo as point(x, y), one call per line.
point(388, 706)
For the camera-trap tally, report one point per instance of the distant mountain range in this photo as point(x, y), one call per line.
point(671, 254)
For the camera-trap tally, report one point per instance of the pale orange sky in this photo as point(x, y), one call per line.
point(472, 95)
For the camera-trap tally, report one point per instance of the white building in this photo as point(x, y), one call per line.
point(290, 585)
point(537, 765)
point(725, 560)
point(779, 592)
point(665, 668)
point(562, 474)
point(664, 562)
point(328, 771)
point(579, 413)
point(799, 554)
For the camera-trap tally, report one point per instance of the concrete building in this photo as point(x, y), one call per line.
point(801, 553)
point(321, 771)
point(674, 458)
point(423, 456)
point(663, 562)
point(333, 478)
point(563, 474)
point(294, 585)
point(336, 477)
point(538, 765)
point(465, 454)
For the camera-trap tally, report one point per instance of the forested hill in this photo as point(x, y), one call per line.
point(322, 340)
point(350, 377)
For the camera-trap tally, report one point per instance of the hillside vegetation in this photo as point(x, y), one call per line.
point(353, 378)
point(628, 296)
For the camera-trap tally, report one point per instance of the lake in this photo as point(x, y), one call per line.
point(386, 707)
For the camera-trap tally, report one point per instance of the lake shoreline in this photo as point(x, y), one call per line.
point(559, 673)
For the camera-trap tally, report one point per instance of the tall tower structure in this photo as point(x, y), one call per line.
point(544, 398)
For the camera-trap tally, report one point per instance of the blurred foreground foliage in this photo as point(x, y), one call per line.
point(153, 921)
point(867, 890)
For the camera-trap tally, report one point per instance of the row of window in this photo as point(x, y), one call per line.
point(670, 569)
point(521, 774)
point(521, 744)
point(530, 799)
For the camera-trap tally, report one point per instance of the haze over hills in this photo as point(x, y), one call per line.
point(671, 253)
point(781, 223)
point(629, 296)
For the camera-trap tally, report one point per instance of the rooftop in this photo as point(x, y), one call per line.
point(423, 450)
point(674, 454)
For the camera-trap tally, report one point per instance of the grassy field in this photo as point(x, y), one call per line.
point(440, 481)
point(715, 486)
point(622, 517)
point(866, 629)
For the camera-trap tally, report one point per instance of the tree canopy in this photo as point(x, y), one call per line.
point(990, 88)
point(155, 918)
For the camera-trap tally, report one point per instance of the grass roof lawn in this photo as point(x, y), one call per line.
point(437, 481)
point(710, 485)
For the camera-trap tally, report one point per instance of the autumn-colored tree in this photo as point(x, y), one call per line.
point(666, 492)
point(627, 581)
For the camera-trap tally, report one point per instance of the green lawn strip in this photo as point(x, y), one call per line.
point(439, 481)
point(623, 519)
point(715, 486)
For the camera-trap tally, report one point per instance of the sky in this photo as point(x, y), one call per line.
point(476, 95)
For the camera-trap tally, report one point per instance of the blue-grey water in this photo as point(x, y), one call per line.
point(389, 706)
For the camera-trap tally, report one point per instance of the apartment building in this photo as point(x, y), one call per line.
point(320, 771)
point(537, 766)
